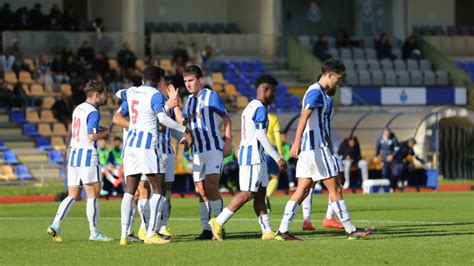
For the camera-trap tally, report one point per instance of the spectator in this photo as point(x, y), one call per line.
point(180, 52)
point(101, 64)
point(349, 150)
point(43, 72)
point(70, 20)
point(55, 17)
point(207, 81)
point(126, 58)
point(58, 69)
point(6, 17)
point(15, 55)
point(230, 172)
point(37, 19)
point(71, 66)
point(410, 49)
point(386, 146)
point(402, 168)
point(20, 98)
point(66, 53)
point(291, 162)
point(7, 61)
point(209, 62)
point(62, 109)
point(87, 52)
point(195, 57)
point(111, 183)
point(21, 18)
point(321, 48)
point(6, 96)
point(383, 48)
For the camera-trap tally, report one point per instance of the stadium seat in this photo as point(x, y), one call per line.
point(42, 143)
point(305, 41)
point(351, 78)
point(233, 28)
point(193, 28)
point(442, 78)
point(164, 27)
point(229, 89)
point(242, 102)
point(30, 63)
point(30, 130)
point(217, 77)
point(390, 78)
point(7, 173)
point(387, 65)
point(45, 130)
point(9, 157)
point(334, 52)
point(2, 145)
point(399, 65)
point(56, 157)
point(10, 77)
point(219, 28)
point(361, 64)
point(345, 53)
point(358, 53)
point(177, 27)
point(416, 78)
point(397, 52)
point(22, 172)
point(58, 143)
point(370, 53)
point(140, 64)
point(25, 77)
point(374, 65)
point(37, 89)
point(412, 65)
point(66, 89)
point(331, 41)
point(368, 42)
point(429, 78)
point(207, 28)
point(113, 64)
point(425, 65)
point(47, 116)
point(364, 78)
point(217, 87)
point(48, 102)
point(403, 78)
point(18, 117)
point(166, 65)
point(377, 78)
point(59, 130)
point(349, 64)
point(32, 116)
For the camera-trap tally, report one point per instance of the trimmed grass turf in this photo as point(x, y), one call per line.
point(411, 228)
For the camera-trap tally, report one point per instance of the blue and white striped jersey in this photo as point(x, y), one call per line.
point(254, 116)
point(144, 103)
point(164, 143)
point(85, 121)
point(204, 114)
point(318, 127)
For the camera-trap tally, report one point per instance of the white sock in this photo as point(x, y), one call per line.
point(204, 210)
point(329, 211)
point(215, 207)
point(92, 211)
point(63, 210)
point(110, 178)
point(132, 219)
point(340, 208)
point(307, 205)
point(291, 209)
point(264, 221)
point(144, 210)
point(166, 211)
point(125, 211)
point(224, 216)
point(156, 206)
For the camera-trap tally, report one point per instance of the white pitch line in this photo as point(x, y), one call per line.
point(241, 219)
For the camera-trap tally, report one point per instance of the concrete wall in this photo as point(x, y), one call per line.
point(430, 12)
point(186, 11)
point(45, 4)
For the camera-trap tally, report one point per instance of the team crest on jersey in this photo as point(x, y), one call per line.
point(201, 103)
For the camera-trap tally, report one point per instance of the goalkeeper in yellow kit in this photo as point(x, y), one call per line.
point(273, 134)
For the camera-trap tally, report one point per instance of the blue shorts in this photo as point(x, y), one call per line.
point(272, 166)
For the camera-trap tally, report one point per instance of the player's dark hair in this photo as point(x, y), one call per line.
point(116, 138)
point(332, 65)
point(152, 75)
point(192, 70)
point(266, 78)
point(94, 86)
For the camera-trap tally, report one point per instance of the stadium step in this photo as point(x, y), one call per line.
point(26, 155)
point(20, 144)
point(6, 132)
point(46, 174)
point(4, 118)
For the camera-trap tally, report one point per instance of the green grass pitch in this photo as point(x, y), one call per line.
point(410, 229)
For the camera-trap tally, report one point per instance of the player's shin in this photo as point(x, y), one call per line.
point(291, 209)
point(341, 210)
point(307, 206)
point(92, 211)
point(156, 206)
point(63, 210)
point(126, 209)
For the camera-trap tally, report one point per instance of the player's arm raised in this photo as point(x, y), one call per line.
point(94, 131)
point(158, 106)
point(119, 116)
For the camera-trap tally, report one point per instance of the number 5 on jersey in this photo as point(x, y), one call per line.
point(134, 111)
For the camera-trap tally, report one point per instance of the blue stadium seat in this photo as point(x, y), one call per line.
point(30, 130)
point(56, 157)
point(43, 143)
point(9, 157)
point(22, 172)
point(18, 117)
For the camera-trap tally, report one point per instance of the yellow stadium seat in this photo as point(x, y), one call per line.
point(230, 90)
point(7, 173)
point(48, 102)
point(37, 90)
point(218, 88)
point(66, 89)
point(45, 130)
point(166, 65)
point(59, 130)
point(32, 116)
point(58, 143)
point(30, 63)
point(10, 77)
point(25, 77)
point(242, 102)
point(140, 64)
point(47, 116)
point(217, 77)
point(113, 64)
